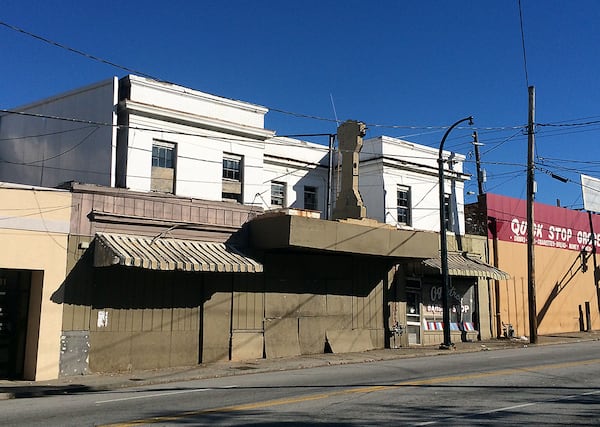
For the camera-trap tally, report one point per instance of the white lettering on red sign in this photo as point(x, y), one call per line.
point(519, 228)
point(560, 233)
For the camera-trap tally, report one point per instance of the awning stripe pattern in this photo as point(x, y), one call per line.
point(170, 254)
point(463, 264)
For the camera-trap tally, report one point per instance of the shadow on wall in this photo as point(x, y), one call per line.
point(122, 287)
point(77, 286)
point(578, 266)
point(139, 319)
point(311, 193)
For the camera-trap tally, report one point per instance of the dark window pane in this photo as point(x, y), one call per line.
point(162, 156)
point(277, 194)
point(403, 205)
point(231, 169)
point(310, 198)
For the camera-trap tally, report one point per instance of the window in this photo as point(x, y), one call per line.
point(278, 194)
point(448, 209)
point(462, 302)
point(231, 168)
point(310, 198)
point(232, 177)
point(163, 167)
point(403, 205)
point(162, 155)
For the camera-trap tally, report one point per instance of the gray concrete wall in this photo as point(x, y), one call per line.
point(308, 294)
point(142, 319)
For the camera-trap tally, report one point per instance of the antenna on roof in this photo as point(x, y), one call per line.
point(334, 112)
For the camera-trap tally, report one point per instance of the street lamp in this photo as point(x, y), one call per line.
point(447, 344)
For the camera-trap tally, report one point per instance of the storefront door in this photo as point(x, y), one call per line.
point(14, 301)
point(413, 313)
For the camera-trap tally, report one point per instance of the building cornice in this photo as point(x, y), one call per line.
point(415, 167)
point(433, 152)
point(194, 120)
point(92, 189)
point(287, 161)
point(106, 217)
point(192, 93)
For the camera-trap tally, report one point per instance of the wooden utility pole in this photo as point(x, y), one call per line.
point(476, 144)
point(330, 176)
point(533, 336)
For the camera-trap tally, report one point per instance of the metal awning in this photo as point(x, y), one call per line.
point(170, 254)
point(464, 264)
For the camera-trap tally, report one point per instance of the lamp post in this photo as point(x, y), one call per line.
point(447, 344)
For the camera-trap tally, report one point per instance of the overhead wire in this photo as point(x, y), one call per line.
point(429, 129)
point(42, 135)
point(77, 51)
point(523, 43)
point(147, 75)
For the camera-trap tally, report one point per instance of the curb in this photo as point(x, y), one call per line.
point(16, 391)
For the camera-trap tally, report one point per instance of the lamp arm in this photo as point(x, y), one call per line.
point(470, 119)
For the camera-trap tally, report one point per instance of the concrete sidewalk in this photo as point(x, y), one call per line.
point(102, 382)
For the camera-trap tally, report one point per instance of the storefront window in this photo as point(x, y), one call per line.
point(462, 307)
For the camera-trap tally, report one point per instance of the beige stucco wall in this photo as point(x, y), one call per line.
point(561, 287)
point(34, 226)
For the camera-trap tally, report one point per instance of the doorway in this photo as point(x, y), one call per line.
point(413, 311)
point(15, 289)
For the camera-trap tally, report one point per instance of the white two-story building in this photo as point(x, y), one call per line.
point(399, 184)
point(151, 136)
point(145, 135)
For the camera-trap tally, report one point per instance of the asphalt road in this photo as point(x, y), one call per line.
point(537, 385)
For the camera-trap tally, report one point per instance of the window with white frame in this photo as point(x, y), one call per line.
point(310, 198)
point(232, 168)
point(163, 167)
point(278, 194)
point(163, 154)
point(403, 205)
point(232, 177)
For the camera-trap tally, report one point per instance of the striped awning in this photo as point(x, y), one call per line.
point(466, 265)
point(170, 254)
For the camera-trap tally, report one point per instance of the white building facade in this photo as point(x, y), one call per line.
point(399, 184)
point(146, 135)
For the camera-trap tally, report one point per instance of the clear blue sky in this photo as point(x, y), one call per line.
point(408, 65)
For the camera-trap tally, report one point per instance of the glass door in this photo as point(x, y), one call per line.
point(413, 315)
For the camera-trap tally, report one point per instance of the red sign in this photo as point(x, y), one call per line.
point(553, 226)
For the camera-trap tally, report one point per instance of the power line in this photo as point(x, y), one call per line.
point(41, 135)
point(77, 51)
point(274, 140)
point(523, 44)
point(278, 110)
point(558, 124)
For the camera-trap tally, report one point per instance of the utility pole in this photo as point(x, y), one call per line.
point(596, 274)
point(533, 336)
point(330, 176)
point(476, 144)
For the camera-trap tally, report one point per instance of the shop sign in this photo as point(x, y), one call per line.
point(554, 226)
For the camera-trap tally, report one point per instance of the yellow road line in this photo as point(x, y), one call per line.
point(359, 390)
